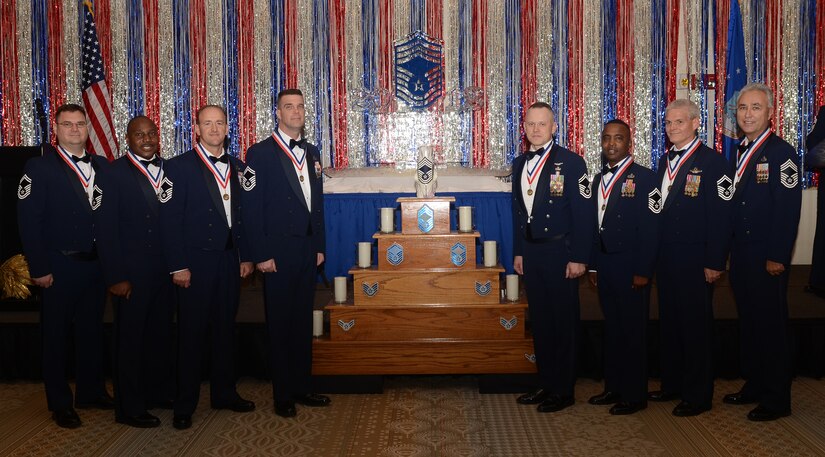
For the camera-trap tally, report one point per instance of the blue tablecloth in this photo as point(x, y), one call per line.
point(351, 218)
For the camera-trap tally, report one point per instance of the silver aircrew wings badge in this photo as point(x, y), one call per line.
point(25, 187)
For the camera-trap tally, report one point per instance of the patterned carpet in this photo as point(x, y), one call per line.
point(426, 416)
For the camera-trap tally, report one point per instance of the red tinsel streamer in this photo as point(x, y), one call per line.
point(575, 91)
point(721, 39)
point(151, 75)
point(625, 97)
point(338, 64)
point(773, 56)
point(481, 158)
point(57, 68)
point(8, 75)
point(247, 124)
point(820, 53)
point(435, 18)
point(672, 48)
point(385, 37)
point(290, 42)
point(529, 56)
point(103, 13)
point(197, 37)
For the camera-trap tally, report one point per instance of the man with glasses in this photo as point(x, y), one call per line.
point(553, 228)
point(56, 199)
point(128, 235)
point(205, 250)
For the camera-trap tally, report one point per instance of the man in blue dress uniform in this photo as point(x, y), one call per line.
point(56, 198)
point(128, 237)
point(284, 216)
point(627, 205)
point(203, 240)
point(766, 205)
point(695, 236)
point(553, 228)
point(815, 160)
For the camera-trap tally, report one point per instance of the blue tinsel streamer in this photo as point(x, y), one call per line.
point(609, 95)
point(658, 57)
point(465, 76)
point(703, 70)
point(758, 23)
point(807, 79)
point(559, 70)
point(321, 69)
point(277, 51)
point(135, 101)
point(369, 31)
point(40, 65)
point(512, 70)
point(230, 73)
point(418, 15)
point(183, 77)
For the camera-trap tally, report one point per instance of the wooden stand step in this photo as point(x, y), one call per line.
point(439, 356)
point(374, 287)
point(403, 252)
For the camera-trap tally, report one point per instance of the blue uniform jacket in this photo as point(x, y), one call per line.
point(766, 206)
point(275, 210)
point(192, 215)
point(127, 225)
point(631, 221)
point(700, 215)
point(570, 213)
point(53, 210)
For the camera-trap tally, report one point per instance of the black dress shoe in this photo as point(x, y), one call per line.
point(240, 405)
point(285, 409)
point(66, 418)
point(533, 398)
point(312, 400)
point(762, 414)
point(104, 401)
point(688, 409)
point(624, 408)
point(555, 403)
point(182, 421)
point(740, 398)
point(144, 420)
point(604, 398)
point(662, 395)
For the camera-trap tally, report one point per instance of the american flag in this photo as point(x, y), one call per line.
point(96, 99)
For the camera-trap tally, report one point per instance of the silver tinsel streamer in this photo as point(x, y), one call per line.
point(641, 80)
point(214, 52)
point(496, 80)
point(450, 118)
point(747, 31)
point(592, 85)
point(355, 83)
point(306, 77)
point(321, 53)
point(120, 83)
point(401, 18)
point(71, 51)
point(790, 70)
point(166, 71)
point(544, 37)
point(263, 70)
point(692, 14)
point(24, 75)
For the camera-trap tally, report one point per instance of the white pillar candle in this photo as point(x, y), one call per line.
point(317, 322)
point(490, 254)
point(387, 222)
point(364, 254)
point(340, 289)
point(465, 218)
point(512, 287)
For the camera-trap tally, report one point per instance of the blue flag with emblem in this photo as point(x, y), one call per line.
point(735, 79)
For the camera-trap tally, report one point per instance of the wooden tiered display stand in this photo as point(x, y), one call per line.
point(427, 308)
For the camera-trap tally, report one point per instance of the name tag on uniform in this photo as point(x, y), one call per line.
point(692, 185)
point(762, 173)
point(556, 185)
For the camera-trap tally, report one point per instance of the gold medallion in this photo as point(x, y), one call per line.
point(301, 178)
point(529, 191)
point(603, 207)
point(226, 197)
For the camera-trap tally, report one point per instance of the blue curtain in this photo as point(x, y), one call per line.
point(351, 218)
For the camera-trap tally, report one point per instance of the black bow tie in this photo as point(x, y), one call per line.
point(533, 154)
point(85, 158)
point(222, 159)
point(300, 143)
point(155, 162)
point(741, 150)
point(674, 153)
point(608, 169)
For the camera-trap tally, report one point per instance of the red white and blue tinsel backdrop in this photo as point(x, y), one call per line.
point(592, 60)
